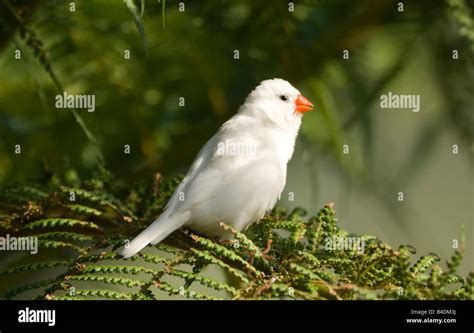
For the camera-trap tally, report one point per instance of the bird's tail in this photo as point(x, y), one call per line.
point(155, 233)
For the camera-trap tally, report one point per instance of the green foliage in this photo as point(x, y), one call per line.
point(463, 15)
point(283, 256)
point(37, 47)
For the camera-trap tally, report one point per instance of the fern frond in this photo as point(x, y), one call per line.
point(96, 293)
point(182, 292)
point(209, 258)
point(221, 251)
point(84, 210)
point(126, 282)
point(424, 263)
point(27, 287)
point(208, 282)
point(101, 198)
point(33, 267)
point(246, 243)
point(72, 236)
point(134, 270)
point(49, 244)
point(60, 222)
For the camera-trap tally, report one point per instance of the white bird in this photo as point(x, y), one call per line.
point(240, 172)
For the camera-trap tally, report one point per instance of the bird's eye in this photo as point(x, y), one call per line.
point(284, 98)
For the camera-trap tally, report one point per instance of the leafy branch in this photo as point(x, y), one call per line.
point(282, 256)
point(37, 47)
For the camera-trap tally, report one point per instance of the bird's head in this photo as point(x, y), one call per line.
point(277, 101)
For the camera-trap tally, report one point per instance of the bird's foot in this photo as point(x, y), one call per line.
point(329, 205)
point(232, 242)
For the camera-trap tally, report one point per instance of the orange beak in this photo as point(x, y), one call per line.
point(303, 104)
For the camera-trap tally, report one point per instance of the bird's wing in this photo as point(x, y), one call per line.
point(204, 155)
point(208, 170)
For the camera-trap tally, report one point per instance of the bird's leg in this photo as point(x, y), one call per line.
point(235, 244)
point(267, 249)
point(264, 253)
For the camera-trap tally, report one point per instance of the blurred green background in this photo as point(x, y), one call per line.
point(190, 54)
